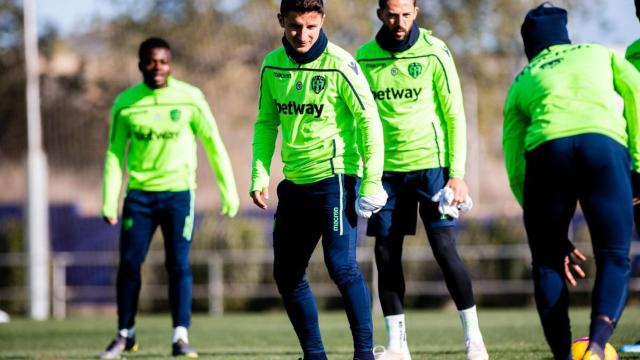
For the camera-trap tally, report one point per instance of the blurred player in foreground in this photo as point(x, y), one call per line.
point(566, 141)
point(633, 55)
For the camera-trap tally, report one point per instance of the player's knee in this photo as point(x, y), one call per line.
point(344, 274)
point(388, 255)
point(280, 273)
point(383, 255)
point(443, 243)
point(128, 265)
point(178, 270)
point(279, 276)
point(390, 274)
point(445, 251)
point(288, 285)
point(615, 257)
point(286, 281)
point(547, 260)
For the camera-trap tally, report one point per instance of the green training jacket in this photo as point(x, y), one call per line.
point(159, 126)
point(420, 104)
point(328, 118)
point(633, 54)
point(569, 90)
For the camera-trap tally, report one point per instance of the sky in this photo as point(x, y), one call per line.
point(69, 14)
point(621, 24)
point(622, 27)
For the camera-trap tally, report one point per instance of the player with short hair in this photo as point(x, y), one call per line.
point(415, 84)
point(331, 135)
point(565, 140)
point(159, 120)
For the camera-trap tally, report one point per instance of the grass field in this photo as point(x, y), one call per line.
point(509, 334)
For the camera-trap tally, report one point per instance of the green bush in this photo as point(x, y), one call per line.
point(11, 242)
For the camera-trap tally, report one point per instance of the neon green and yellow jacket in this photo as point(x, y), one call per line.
point(420, 104)
point(159, 126)
point(633, 54)
point(328, 118)
point(568, 90)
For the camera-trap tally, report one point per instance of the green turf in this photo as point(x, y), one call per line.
point(509, 334)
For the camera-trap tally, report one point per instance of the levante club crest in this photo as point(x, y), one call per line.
point(175, 114)
point(415, 69)
point(318, 83)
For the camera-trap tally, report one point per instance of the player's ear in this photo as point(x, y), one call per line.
point(379, 13)
point(281, 20)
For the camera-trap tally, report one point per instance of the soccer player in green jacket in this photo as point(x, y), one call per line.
point(414, 81)
point(155, 123)
point(565, 140)
point(316, 94)
point(633, 55)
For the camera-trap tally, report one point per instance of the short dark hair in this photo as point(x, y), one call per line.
point(151, 43)
point(382, 4)
point(301, 6)
point(638, 9)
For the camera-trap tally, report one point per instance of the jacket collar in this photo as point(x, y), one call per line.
point(316, 50)
point(385, 39)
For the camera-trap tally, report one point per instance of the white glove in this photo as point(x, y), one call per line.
point(370, 204)
point(444, 198)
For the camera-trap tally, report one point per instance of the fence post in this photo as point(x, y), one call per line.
point(59, 284)
point(216, 284)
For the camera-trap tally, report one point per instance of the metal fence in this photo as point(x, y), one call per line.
point(215, 289)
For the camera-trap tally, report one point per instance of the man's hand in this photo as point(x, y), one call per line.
point(230, 209)
point(370, 204)
point(572, 265)
point(260, 197)
point(110, 220)
point(460, 190)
